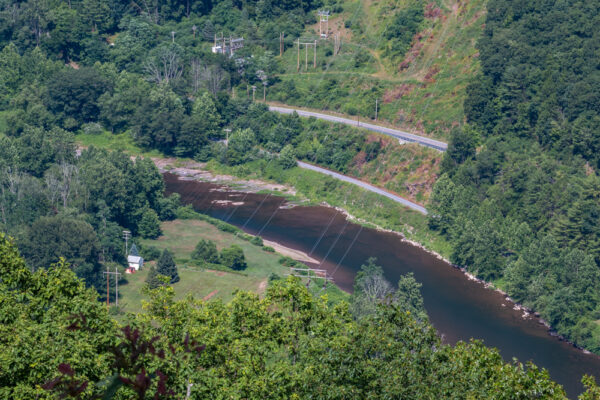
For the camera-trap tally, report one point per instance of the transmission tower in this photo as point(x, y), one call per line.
point(323, 22)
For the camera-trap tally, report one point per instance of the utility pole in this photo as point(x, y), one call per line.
point(227, 131)
point(315, 52)
point(376, 104)
point(305, 58)
point(126, 236)
point(298, 67)
point(116, 274)
point(281, 44)
point(265, 92)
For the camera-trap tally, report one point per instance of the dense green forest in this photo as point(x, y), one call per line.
point(520, 198)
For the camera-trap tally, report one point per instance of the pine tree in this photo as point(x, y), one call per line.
point(152, 278)
point(166, 266)
point(133, 251)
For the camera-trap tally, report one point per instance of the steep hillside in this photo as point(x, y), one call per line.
point(414, 59)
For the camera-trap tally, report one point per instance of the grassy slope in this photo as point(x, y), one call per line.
point(425, 97)
point(181, 236)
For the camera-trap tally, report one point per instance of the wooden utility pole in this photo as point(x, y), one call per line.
point(227, 131)
point(298, 67)
point(281, 44)
point(315, 52)
point(126, 236)
point(116, 274)
point(305, 57)
point(376, 104)
point(264, 92)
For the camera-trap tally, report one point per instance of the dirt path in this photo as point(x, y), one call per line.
point(211, 294)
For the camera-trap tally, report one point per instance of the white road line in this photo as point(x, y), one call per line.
point(409, 137)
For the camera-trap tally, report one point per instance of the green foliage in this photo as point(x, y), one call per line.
point(57, 339)
point(233, 257)
point(287, 157)
point(51, 239)
point(149, 225)
point(166, 266)
point(150, 253)
point(152, 280)
point(206, 251)
point(400, 32)
point(524, 208)
point(371, 290)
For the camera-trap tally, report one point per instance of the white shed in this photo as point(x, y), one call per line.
point(135, 262)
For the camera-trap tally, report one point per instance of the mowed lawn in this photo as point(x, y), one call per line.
point(181, 236)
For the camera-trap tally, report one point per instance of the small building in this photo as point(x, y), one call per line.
point(135, 263)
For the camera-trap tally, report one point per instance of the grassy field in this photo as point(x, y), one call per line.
point(121, 142)
point(181, 236)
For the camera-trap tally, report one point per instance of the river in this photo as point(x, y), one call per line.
point(459, 308)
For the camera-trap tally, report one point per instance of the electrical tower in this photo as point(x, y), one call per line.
point(227, 46)
point(306, 46)
point(323, 23)
point(116, 274)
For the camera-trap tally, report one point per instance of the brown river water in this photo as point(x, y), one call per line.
point(459, 308)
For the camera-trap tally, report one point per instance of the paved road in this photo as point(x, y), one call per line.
point(364, 185)
point(409, 137)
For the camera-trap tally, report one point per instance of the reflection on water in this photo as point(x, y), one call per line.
point(459, 308)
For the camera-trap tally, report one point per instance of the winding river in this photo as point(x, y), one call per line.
point(459, 308)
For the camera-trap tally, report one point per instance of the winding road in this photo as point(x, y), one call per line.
point(364, 185)
point(398, 134)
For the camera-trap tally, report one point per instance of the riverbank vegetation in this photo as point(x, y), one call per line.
point(519, 198)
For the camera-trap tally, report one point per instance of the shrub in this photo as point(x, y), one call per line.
point(233, 257)
point(150, 253)
point(206, 251)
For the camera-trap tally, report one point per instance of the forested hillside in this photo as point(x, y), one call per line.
point(520, 195)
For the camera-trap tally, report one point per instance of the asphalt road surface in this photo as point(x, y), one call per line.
point(408, 137)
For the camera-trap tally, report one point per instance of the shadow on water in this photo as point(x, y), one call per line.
point(459, 308)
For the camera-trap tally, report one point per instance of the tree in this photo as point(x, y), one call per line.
point(74, 95)
point(287, 157)
point(200, 127)
point(206, 251)
point(408, 296)
point(165, 65)
point(149, 225)
point(233, 257)
point(166, 266)
point(51, 238)
point(152, 280)
point(240, 147)
point(370, 289)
